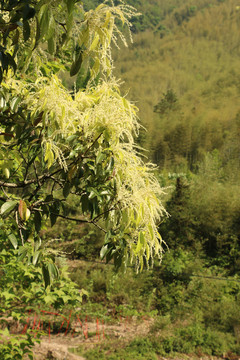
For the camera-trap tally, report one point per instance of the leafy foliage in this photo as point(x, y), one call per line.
point(16, 348)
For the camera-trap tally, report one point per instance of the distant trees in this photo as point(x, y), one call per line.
point(168, 102)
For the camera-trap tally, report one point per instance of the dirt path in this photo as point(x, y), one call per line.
point(56, 349)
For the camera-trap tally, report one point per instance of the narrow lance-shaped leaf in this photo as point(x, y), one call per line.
point(13, 240)
point(8, 206)
point(51, 45)
point(53, 270)
point(76, 65)
point(66, 189)
point(141, 241)
point(22, 252)
point(70, 5)
point(36, 257)
point(26, 30)
point(37, 221)
point(46, 276)
point(104, 251)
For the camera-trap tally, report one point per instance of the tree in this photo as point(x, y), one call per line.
point(59, 144)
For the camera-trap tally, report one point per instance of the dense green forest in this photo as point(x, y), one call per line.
point(182, 73)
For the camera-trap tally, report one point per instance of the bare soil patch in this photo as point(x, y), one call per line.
point(57, 346)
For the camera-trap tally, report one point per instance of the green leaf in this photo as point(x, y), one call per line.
point(43, 17)
point(12, 62)
point(28, 12)
point(94, 43)
point(147, 252)
point(51, 27)
point(70, 5)
point(66, 189)
point(36, 257)
point(49, 299)
point(85, 203)
point(104, 251)
point(46, 276)
point(93, 194)
point(109, 255)
point(150, 228)
point(141, 241)
point(26, 30)
point(23, 210)
point(8, 206)
point(117, 260)
point(76, 65)
point(2, 103)
point(66, 298)
point(5, 332)
point(22, 252)
point(37, 244)
point(100, 157)
point(14, 104)
point(69, 24)
point(53, 270)
point(8, 295)
point(111, 164)
point(15, 38)
point(37, 221)
point(51, 45)
point(38, 33)
point(13, 240)
point(53, 219)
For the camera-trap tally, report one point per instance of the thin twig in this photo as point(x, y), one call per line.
point(19, 228)
point(103, 213)
point(72, 219)
point(94, 142)
point(99, 227)
point(5, 193)
point(36, 174)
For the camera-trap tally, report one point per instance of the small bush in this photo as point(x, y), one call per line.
point(139, 348)
point(195, 338)
point(160, 323)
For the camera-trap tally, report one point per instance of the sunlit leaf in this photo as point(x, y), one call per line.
point(13, 240)
point(24, 212)
point(36, 257)
point(8, 206)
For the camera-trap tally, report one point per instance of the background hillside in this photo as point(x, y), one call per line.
point(195, 57)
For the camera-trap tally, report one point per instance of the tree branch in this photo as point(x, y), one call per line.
point(94, 142)
point(72, 219)
point(28, 182)
point(81, 221)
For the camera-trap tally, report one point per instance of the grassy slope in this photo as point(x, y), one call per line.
point(198, 60)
